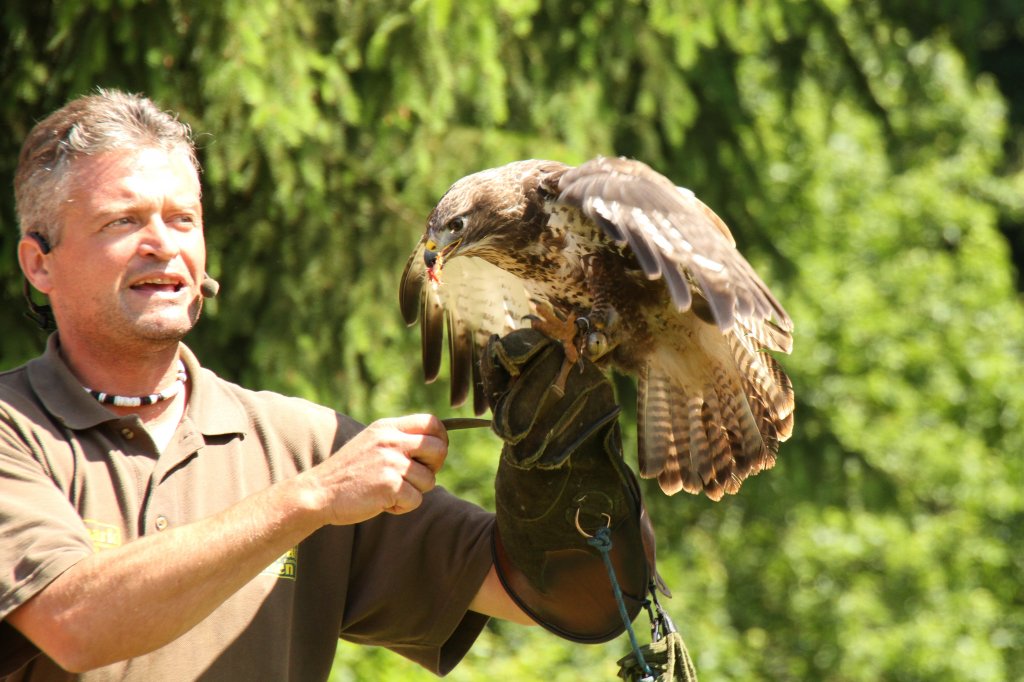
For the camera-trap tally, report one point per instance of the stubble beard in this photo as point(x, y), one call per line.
point(156, 330)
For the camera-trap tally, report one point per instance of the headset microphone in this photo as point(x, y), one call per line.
point(209, 287)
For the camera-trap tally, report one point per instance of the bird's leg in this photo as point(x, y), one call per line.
point(602, 316)
point(565, 332)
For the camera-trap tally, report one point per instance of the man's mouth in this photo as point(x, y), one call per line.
point(170, 285)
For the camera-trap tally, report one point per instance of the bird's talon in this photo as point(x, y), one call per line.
point(563, 376)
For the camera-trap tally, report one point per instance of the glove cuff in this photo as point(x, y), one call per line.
point(578, 602)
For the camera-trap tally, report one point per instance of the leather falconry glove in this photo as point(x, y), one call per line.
point(562, 477)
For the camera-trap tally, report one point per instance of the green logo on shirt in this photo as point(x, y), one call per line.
point(286, 565)
point(103, 535)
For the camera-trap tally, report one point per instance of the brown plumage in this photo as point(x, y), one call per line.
point(657, 276)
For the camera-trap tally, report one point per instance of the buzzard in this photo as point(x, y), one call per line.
point(619, 264)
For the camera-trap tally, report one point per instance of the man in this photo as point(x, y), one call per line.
point(158, 522)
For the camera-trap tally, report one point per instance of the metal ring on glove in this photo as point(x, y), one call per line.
point(584, 533)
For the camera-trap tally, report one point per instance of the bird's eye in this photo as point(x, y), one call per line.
point(457, 223)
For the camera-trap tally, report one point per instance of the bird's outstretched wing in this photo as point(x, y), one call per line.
point(472, 301)
point(711, 409)
point(677, 237)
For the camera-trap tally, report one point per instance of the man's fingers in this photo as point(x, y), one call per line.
point(388, 466)
point(408, 499)
point(421, 437)
point(420, 477)
point(430, 452)
point(424, 424)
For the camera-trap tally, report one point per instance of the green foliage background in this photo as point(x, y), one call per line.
point(867, 155)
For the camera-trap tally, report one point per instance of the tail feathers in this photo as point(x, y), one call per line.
point(710, 440)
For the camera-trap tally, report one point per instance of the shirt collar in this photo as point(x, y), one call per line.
point(61, 392)
point(212, 406)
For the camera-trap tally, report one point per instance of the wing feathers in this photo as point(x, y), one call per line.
point(411, 286)
point(768, 384)
point(668, 229)
point(460, 353)
point(473, 300)
point(663, 434)
point(678, 287)
point(432, 336)
point(700, 457)
point(722, 478)
point(709, 437)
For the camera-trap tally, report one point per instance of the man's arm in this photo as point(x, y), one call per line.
point(492, 600)
point(130, 600)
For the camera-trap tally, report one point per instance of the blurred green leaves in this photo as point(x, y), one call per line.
point(867, 156)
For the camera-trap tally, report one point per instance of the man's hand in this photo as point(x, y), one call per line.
point(387, 467)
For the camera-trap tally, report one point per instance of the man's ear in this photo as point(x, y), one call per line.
point(32, 251)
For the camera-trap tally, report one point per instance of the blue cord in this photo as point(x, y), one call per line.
point(602, 542)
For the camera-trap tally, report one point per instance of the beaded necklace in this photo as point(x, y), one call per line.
point(130, 401)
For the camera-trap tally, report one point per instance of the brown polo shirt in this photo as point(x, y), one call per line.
point(77, 479)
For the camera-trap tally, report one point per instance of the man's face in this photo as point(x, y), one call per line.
point(131, 254)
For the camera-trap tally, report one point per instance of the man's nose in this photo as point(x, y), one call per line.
point(158, 240)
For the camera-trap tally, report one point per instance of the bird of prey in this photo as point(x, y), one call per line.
point(618, 263)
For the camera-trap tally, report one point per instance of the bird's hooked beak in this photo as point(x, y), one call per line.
point(436, 251)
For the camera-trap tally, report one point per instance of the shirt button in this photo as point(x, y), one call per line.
point(161, 522)
point(127, 433)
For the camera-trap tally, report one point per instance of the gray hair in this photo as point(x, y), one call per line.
point(109, 120)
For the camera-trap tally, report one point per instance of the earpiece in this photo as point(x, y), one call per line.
point(44, 244)
point(42, 315)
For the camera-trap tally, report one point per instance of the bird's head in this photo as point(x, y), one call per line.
point(482, 211)
point(444, 237)
point(463, 217)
